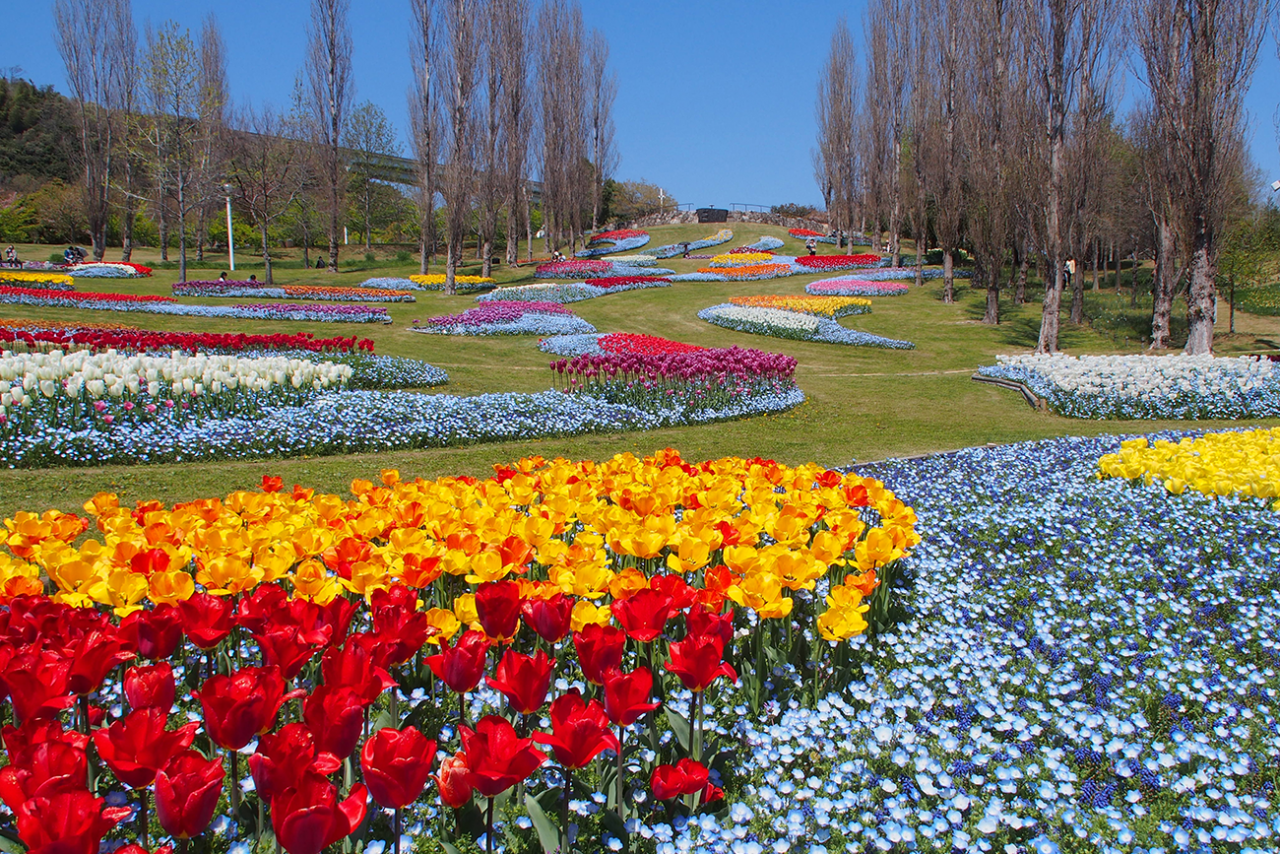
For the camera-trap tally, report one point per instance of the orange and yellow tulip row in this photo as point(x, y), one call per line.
point(820, 306)
point(750, 532)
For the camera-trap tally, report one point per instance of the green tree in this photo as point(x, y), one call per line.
point(372, 141)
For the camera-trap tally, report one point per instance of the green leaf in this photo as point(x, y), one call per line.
point(10, 845)
point(680, 726)
point(610, 821)
point(548, 832)
point(449, 847)
point(382, 720)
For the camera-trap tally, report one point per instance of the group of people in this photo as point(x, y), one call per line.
point(73, 255)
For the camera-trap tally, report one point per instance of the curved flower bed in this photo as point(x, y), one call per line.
point(740, 259)
point(823, 263)
point(573, 292)
point(809, 234)
point(792, 324)
point(755, 272)
point(256, 290)
point(86, 390)
point(38, 335)
point(634, 260)
point(390, 283)
point(61, 326)
point(768, 243)
point(620, 240)
point(463, 284)
point(168, 305)
point(1245, 462)
point(509, 318)
point(671, 250)
point(821, 306)
point(108, 270)
point(612, 342)
point(35, 281)
point(850, 286)
point(887, 273)
point(1181, 387)
point(581, 269)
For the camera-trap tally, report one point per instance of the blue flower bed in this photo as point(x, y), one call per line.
point(564, 292)
point(828, 331)
point(609, 247)
point(362, 421)
point(571, 345)
point(671, 250)
point(765, 244)
point(391, 283)
point(526, 324)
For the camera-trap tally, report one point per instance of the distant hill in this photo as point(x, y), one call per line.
point(37, 133)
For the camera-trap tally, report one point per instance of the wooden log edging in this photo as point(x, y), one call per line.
point(1027, 394)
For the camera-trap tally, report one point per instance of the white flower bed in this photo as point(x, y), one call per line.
point(1176, 386)
point(775, 318)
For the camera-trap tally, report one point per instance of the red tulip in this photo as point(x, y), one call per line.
point(351, 666)
point(399, 623)
point(333, 619)
point(335, 716)
point(308, 817)
point(49, 768)
point(700, 621)
point(643, 615)
point(93, 657)
point(579, 730)
point(187, 792)
point(461, 666)
point(626, 695)
point(454, 781)
point(682, 595)
point(498, 607)
point(138, 745)
point(257, 609)
point(37, 684)
point(288, 646)
point(155, 633)
point(397, 765)
point(150, 686)
point(242, 705)
point(21, 740)
point(66, 823)
point(206, 619)
point(524, 680)
point(282, 755)
point(698, 661)
point(549, 618)
point(599, 651)
point(496, 757)
point(135, 848)
point(686, 777)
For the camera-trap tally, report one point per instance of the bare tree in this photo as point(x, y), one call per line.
point(173, 84)
point(267, 170)
point(329, 91)
point(489, 180)
point(458, 141)
point(84, 39)
point(126, 82)
point(837, 156)
point(511, 36)
point(1069, 47)
point(888, 77)
point(1198, 57)
point(563, 130)
point(369, 134)
point(423, 120)
point(212, 114)
point(942, 164)
point(602, 88)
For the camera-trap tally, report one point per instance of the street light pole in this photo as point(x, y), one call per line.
point(231, 241)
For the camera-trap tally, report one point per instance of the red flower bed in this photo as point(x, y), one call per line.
point(620, 234)
point(142, 340)
point(82, 296)
point(618, 281)
point(837, 262)
point(804, 232)
point(630, 342)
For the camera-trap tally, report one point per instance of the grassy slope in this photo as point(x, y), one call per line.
point(862, 403)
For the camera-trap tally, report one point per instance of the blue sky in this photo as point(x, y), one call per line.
point(715, 97)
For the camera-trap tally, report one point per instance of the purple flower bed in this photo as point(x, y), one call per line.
point(498, 312)
point(849, 286)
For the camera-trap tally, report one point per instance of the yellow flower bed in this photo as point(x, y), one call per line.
point(437, 279)
point(746, 531)
point(740, 259)
point(24, 278)
point(1247, 463)
point(817, 305)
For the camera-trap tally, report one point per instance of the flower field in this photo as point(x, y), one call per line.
point(257, 290)
point(825, 263)
point(107, 270)
point(820, 306)
point(1235, 463)
point(154, 304)
point(748, 273)
point(464, 284)
point(35, 281)
point(740, 259)
point(606, 242)
point(810, 234)
point(855, 286)
point(613, 342)
point(514, 317)
point(671, 250)
point(573, 292)
point(1179, 386)
point(764, 319)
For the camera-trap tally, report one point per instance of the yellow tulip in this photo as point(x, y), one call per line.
point(585, 614)
point(445, 623)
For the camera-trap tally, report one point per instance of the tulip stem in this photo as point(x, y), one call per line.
point(142, 819)
point(564, 812)
point(621, 810)
point(696, 741)
point(396, 830)
point(235, 786)
point(488, 832)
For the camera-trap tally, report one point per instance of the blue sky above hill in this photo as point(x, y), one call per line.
point(715, 97)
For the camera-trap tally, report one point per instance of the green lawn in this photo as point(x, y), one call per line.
point(863, 404)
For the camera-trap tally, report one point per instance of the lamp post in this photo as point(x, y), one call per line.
point(231, 241)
